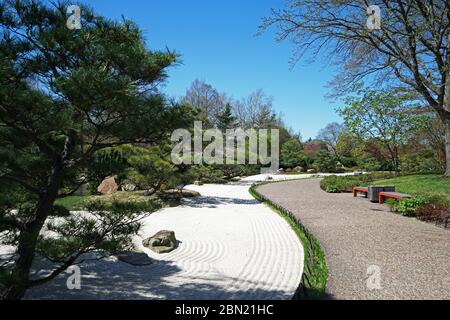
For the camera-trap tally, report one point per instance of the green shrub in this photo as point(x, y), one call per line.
point(424, 162)
point(418, 204)
point(408, 207)
point(369, 162)
point(337, 184)
point(325, 162)
point(347, 162)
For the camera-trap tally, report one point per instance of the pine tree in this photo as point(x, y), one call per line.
point(226, 120)
point(65, 95)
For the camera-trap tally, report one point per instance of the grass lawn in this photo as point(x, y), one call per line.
point(73, 202)
point(419, 184)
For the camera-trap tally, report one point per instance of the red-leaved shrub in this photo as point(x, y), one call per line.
point(438, 213)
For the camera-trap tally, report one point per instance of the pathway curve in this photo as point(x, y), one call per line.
point(361, 238)
point(231, 247)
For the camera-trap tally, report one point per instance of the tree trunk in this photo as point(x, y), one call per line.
point(444, 114)
point(29, 235)
point(447, 145)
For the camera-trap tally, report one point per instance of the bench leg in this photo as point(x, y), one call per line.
point(380, 199)
point(354, 193)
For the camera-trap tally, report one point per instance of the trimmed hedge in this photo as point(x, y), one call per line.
point(339, 184)
point(315, 272)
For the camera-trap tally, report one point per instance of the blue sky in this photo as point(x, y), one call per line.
point(218, 45)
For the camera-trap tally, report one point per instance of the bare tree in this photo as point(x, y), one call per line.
point(206, 98)
point(256, 111)
point(410, 50)
point(330, 135)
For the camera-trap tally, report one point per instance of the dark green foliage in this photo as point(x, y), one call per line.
point(149, 168)
point(325, 161)
point(226, 120)
point(291, 155)
point(104, 163)
point(370, 163)
point(347, 162)
point(423, 162)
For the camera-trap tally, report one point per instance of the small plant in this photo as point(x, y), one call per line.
point(438, 213)
point(333, 189)
point(426, 208)
point(408, 207)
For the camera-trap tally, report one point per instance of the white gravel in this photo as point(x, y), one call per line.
point(231, 247)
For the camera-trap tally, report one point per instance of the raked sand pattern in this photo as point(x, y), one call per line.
point(231, 247)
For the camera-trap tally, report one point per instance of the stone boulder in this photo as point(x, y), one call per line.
point(108, 186)
point(312, 171)
point(299, 169)
point(162, 242)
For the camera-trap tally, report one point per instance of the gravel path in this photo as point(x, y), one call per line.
point(231, 247)
point(413, 257)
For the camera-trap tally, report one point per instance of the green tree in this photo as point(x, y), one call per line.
point(65, 95)
point(383, 116)
point(226, 120)
point(345, 145)
point(291, 155)
point(150, 169)
point(325, 161)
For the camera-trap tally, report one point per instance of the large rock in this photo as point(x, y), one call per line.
point(108, 186)
point(299, 169)
point(162, 242)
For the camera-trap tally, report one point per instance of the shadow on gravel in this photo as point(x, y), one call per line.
point(115, 280)
point(213, 202)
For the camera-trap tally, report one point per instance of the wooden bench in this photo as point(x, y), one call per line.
point(392, 195)
point(364, 190)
